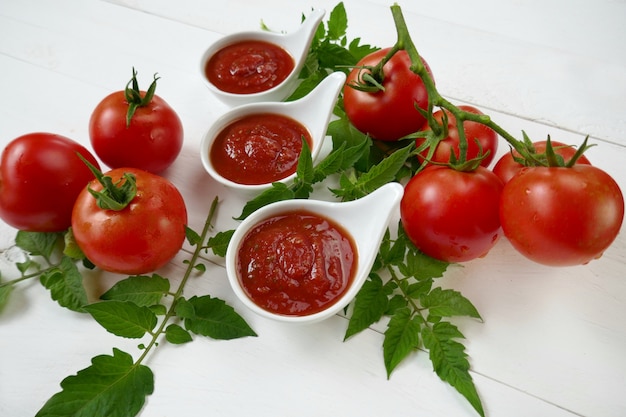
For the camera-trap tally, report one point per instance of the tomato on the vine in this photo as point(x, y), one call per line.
point(390, 114)
point(561, 216)
point(40, 178)
point(480, 139)
point(452, 215)
point(142, 234)
point(507, 166)
point(134, 128)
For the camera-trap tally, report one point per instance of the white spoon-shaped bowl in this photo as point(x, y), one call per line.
point(365, 220)
point(296, 43)
point(313, 111)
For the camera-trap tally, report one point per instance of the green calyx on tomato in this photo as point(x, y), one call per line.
point(134, 98)
point(113, 196)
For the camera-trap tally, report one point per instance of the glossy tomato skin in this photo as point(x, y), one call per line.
point(487, 138)
point(40, 177)
point(151, 142)
point(139, 239)
point(561, 216)
point(452, 215)
point(391, 114)
point(507, 167)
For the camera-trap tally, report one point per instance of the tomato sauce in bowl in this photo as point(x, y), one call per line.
point(249, 66)
point(296, 263)
point(258, 148)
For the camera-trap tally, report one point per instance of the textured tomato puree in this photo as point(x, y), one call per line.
point(297, 263)
point(259, 148)
point(249, 67)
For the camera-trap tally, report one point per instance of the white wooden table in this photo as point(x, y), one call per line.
point(553, 340)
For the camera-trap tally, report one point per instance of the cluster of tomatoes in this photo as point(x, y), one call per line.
point(555, 209)
point(128, 220)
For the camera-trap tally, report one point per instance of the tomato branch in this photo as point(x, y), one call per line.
point(435, 99)
point(171, 312)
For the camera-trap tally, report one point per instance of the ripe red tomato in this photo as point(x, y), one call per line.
point(151, 140)
point(141, 237)
point(474, 131)
point(452, 215)
point(561, 216)
point(390, 114)
point(507, 167)
point(40, 178)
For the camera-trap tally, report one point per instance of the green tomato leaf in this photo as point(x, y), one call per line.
point(337, 22)
point(66, 285)
point(278, 192)
point(401, 338)
point(370, 304)
point(113, 386)
point(448, 303)
point(192, 236)
point(219, 242)
point(421, 266)
point(177, 335)
point(212, 317)
point(450, 360)
point(37, 243)
point(142, 290)
point(123, 318)
point(71, 248)
point(5, 293)
point(379, 175)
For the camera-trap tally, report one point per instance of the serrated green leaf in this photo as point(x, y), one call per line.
point(177, 335)
point(29, 263)
point(123, 318)
point(278, 192)
point(66, 285)
point(359, 51)
point(5, 293)
point(450, 360)
point(379, 175)
point(421, 266)
point(113, 386)
point(396, 303)
point(212, 317)
point(304, 170)
point(37, 243)
point(71, 248)
point(401, 338)
point(448, 303)
point(337, 22)
point(370, 304)
point(192, 236)
point(219, 242)
point(141, 290)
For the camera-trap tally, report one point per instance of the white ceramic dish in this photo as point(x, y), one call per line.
point(365, 220)
point(313, 111)
point(296, 43)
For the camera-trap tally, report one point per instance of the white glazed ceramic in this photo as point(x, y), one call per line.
point(296, 43)
point(313, 111)
point(366, 220)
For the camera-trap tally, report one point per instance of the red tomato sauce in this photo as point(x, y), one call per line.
point(249, 67)
point(259, 148)
point(297, 263)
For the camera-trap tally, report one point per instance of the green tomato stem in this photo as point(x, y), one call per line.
point(435, 99)
point(179, 291)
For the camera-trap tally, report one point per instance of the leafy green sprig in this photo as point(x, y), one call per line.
point(135, 307)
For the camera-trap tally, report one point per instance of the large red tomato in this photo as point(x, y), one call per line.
point(141, 237)
point(507, 166)
point(150, 139)
point(390, 114)
point(452, 215)
point(561, 216)
point(40, 178)
point(474, 131)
